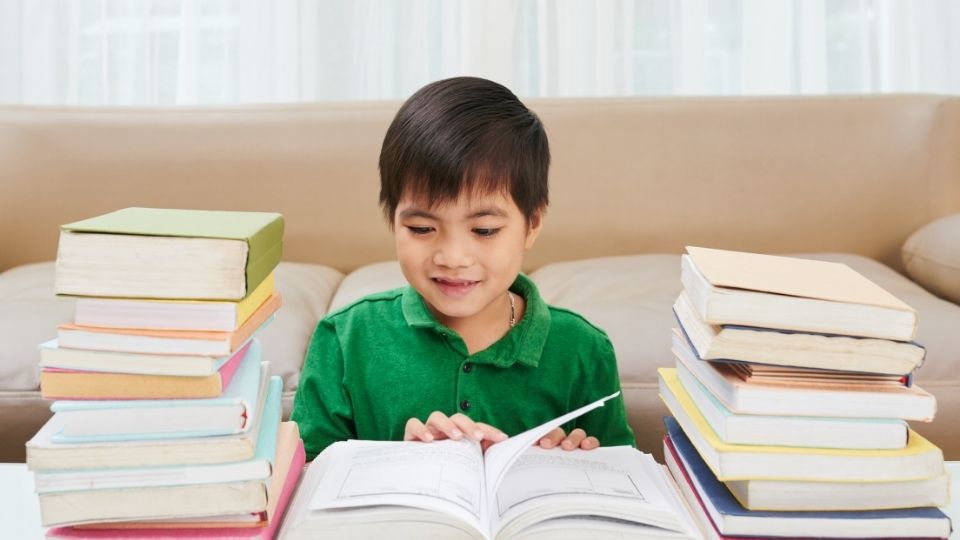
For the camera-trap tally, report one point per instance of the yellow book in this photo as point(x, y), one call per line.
point(919, 460)
point(134, 313)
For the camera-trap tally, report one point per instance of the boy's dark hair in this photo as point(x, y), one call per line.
point(461, 134)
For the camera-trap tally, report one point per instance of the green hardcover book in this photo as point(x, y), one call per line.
point(167, 253)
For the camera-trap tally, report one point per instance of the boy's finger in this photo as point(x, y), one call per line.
point(491, 433)
point(415, 430)
point(484, 444)
point(468, 426)
point(589, 443)
point(574, 439)
point(552, 439)
point(439, 422)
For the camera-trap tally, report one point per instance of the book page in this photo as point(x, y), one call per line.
point(617, 483)
point(539, 473)
point(501, 456)
point(445, 476)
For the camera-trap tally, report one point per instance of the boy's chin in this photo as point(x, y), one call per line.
point(444, 309)
point(452, 308)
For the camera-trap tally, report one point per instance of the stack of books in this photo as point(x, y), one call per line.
point(790, 400)
point(166, 421)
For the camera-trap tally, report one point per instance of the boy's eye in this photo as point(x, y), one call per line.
point(485, 232)
point(419, 230)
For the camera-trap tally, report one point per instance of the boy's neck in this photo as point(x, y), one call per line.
point(486, 328)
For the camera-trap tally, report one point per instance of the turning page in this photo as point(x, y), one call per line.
point(501, 456)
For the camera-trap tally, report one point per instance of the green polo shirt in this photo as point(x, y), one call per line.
point(384, 359)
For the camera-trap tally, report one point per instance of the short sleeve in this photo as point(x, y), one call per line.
point(608, 423)
point(322, 408)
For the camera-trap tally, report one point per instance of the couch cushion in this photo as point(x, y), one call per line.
point(307, 290)
point(631, 297)
point(30, 313)
point(366, 280)
point(931, 257)
point(938, 319)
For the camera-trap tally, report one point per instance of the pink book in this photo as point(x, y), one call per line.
point(240, 532)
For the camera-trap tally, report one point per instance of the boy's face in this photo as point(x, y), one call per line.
point(463, 256)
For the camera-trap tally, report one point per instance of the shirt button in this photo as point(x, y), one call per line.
point(464, 405)
point(468, 367)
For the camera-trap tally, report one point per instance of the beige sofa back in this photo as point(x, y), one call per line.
point(628, 175)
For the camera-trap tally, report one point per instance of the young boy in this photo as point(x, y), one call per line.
point(468, 349)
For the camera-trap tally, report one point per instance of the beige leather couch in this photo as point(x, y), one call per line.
point(633, 181)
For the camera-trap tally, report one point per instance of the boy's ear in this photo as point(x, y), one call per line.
point(533, 228)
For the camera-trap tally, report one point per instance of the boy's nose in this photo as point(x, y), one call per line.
point(452, 254)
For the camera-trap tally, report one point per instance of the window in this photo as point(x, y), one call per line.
point(171, 52)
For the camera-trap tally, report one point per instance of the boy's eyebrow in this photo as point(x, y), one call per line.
point(489, 211)
point(416, 212)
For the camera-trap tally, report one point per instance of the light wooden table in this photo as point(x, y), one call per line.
point(20, 513)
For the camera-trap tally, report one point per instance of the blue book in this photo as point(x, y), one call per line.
point(257, 468)
point(123, 420)
point(729, 518)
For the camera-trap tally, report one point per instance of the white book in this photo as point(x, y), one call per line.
point(721, 516)
point(788, 496)
point(781, 430)
point(800, 399)
point(119, 420)
point(257, 468)
point(135, 313)
point(158, 503)
point(450, 489)
point(98, 340)
point(795, 349)
point(171, 342)
point(767, 291)
point(920, 459)
point(53, 356)
point(44, 454)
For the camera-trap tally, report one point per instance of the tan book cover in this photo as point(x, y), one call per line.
point(58, 384)
point(791, 276)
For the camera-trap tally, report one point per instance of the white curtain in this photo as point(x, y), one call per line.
point(185, 52)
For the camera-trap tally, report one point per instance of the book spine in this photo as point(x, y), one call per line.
point(264, 253)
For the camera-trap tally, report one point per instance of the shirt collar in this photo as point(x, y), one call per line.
point(523, 343)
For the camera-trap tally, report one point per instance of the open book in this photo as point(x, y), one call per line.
point(450, 489)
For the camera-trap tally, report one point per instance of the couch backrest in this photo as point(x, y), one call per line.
point(629, 175)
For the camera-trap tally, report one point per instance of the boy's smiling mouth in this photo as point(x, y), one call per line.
point(454, 287)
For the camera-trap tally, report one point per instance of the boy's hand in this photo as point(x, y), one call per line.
point(577, 439)
point(440, 426)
